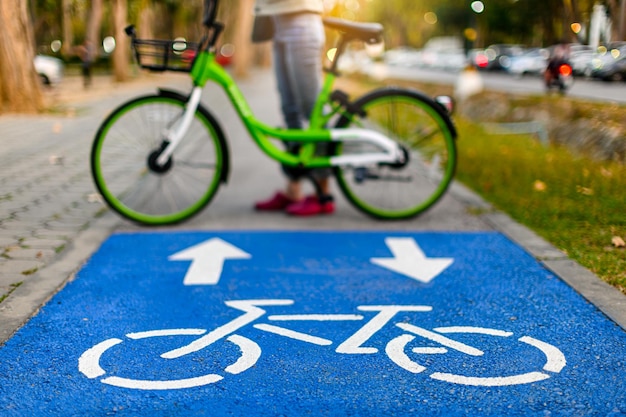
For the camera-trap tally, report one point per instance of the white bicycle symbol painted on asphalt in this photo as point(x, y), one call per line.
point(396, 348)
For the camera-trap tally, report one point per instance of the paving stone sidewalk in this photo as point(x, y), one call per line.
point(46, 194)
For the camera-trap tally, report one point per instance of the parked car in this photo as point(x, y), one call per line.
point(445, 52)
point(478, 58)
point(533, 61)
point(581, 60)
point(610, 66)
point(49, 69)
point(497, 56)
point(403, 57)
point(452, 59)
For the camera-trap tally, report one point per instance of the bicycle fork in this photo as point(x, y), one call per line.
point(176, 134)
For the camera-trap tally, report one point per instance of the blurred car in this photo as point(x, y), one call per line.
point(581, 60)
point(497, 56)
point(452, 59)
point(478, 58)
point(610, 66)
point(403, 56)
point(354, 61)
point(533, 61)
point(444, 52)
point(49, 69)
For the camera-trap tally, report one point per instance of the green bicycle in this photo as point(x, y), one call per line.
point(160, 159)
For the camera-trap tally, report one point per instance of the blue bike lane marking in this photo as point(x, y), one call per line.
point(322, 323)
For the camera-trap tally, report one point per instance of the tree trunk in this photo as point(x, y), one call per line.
point(20, 87)
point(241, 39)
point(93, 28)
point(121, 58)
point(615, 19)
point(145, 21)
point(68, 33)
point(622, 22)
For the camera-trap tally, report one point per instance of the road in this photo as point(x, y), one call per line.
point(583, 88)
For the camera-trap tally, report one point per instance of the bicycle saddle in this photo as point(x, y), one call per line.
point(366, 32)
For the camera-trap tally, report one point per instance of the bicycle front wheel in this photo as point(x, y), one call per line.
point(125, 170)
point(427, 136)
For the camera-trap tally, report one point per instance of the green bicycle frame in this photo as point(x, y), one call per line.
point(206, 68)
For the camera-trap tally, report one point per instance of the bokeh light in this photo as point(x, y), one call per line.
point(108, 44)
point(478, 6)
point(470, 34)
point(331, 54)
point(430, 18)
point(179, 45)
point(55, 46)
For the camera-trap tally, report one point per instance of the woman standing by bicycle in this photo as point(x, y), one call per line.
point(298, 35)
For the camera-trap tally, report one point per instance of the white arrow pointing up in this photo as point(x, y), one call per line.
point(408, 259)
point(207, 260)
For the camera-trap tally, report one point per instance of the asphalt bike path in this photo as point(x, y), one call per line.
point(241, 313)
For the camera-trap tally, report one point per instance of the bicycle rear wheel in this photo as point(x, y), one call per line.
point(427, 136)
point(124, 168)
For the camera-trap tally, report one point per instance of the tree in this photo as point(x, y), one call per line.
point(94, 25)
point(618, 18)
point(68, 32)
point(241, 38)
point(145, 20)
point(121, 57)
point(20, 89)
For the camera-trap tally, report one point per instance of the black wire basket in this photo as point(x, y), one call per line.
point(165, 55)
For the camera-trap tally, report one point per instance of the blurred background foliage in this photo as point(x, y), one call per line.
point(408, 22)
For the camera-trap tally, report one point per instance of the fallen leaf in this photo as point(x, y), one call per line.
point(606, 173)
point(618, 242)
point(540, 186)
point(56, 159)
point(95, 198)
point(584, 190)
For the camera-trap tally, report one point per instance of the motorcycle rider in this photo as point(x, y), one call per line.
point(560, 54)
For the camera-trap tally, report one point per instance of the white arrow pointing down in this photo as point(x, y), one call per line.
point(408, 259)
point(207, 260)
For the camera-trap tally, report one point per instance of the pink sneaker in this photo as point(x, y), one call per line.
point(310, 206)
point(278, 202)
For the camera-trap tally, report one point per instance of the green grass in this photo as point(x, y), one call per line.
point(575, 203)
